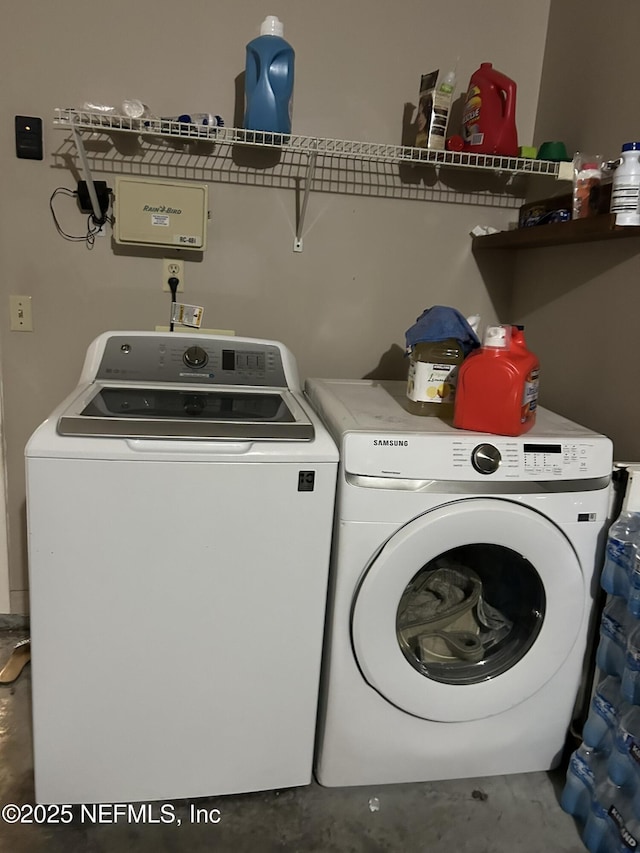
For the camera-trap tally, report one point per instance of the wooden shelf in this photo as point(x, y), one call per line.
point(601, 227)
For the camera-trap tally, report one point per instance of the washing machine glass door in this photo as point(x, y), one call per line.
point(468, 609)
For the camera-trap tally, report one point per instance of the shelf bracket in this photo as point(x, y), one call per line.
point(311, 169)
point(93, 196)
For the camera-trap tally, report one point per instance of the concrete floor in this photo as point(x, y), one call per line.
point(514, 814)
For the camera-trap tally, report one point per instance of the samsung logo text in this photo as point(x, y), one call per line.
point(389, 442)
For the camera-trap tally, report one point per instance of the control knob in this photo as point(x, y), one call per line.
point(486, 458)
point(195, 357)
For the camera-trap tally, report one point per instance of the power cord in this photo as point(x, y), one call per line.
point(173, 283)
point(92, 227)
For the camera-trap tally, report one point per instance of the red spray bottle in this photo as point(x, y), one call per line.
point(489, 116)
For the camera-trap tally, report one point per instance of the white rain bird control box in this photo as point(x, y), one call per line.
point(152, 212)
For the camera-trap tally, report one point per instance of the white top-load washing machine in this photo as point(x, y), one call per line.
point(463, 572)
point(179, 519)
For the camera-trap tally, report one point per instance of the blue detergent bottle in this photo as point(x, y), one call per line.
point(269, 80)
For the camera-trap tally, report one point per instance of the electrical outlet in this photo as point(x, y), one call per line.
point(171, 268)
point(20, 313)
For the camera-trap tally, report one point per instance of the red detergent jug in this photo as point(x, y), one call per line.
point(489, 116)
point(497, 389)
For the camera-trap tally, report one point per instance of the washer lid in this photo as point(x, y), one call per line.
point(173, 411)
point(488, 525)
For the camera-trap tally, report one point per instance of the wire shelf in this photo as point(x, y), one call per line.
point(309, 145)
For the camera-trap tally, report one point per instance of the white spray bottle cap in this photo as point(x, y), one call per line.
point(272, 26)
point(497, 337)
point(632, 494)
point(474, 322)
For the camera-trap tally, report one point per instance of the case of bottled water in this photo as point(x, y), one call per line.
point(602, 789)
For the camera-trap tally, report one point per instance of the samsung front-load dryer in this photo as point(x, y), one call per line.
point(179, 517)
point(462, 578)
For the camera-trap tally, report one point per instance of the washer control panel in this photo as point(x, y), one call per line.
point(207, 360)
point(533, 458)
point(476, 457)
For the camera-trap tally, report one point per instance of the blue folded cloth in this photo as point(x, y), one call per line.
point(437, 324)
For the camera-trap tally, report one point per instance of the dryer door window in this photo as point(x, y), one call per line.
point(470, 614)
point(468, 609)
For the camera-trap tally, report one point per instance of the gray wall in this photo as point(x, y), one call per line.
point(374, 256)
point(580, 303)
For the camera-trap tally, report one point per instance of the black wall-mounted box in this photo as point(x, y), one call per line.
point(29, 138)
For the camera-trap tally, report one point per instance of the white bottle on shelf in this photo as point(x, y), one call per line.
point(442, 98)
point(625, 191)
